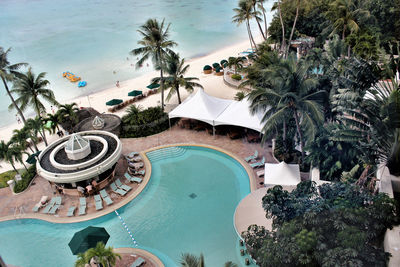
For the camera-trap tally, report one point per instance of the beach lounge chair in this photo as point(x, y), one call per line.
point(258, 164)
point(106, 197)
point(142, 172)
point(82, 206)
point(252, 157)
point(115, 189)
point(135, 165)
point(71, 211)
point(57, 204)
point(133, 178)
point(40, 204)
point(49, 206)
point(138, 262)
point(36, 207)
point(135, 159)
point(132, 154)
point(122, 186)
point(98, 202)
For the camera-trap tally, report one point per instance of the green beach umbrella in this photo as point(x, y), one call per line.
point(88, 238)
point(215, 65)
point(223, 62)
point(134, 93)
point(153, 86)
point(32, 158)
point(114, 102)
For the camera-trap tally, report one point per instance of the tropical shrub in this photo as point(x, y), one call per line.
point(27, 177)
point(140, 123)
point(342, 225)
point(236, 77)
point(240, 95)
point(6, 176)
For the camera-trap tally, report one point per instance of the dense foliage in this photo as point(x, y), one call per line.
point(27, 177)
point(139, 123)
point(342, 225)
point(6, 176)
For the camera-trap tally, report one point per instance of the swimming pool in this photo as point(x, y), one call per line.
point(187, 206)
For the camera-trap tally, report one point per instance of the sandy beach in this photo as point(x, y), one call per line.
point(212, 84)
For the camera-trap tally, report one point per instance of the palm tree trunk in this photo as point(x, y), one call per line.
point(251, 35)
point(12, 164)
point(24, 165)
point(296, 117)
point(29, 146)
point(258, 23)
point(178, 94)
point(248, 32)
point(13, 101)
point(43, 134)
point(283, 45)
point(161, 81)
point(293, 27)
point(265, 24)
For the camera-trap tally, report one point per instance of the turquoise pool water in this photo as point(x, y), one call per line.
point(187, 206)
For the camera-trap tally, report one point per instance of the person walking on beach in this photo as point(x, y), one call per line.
point(117, 84)
point(18, 118)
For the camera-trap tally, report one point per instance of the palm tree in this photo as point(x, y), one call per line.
point(373, 121)
point(345, 16)
point(20, 137)
point(82, 260)
point(260, 6)
point(67, 115)
point(190, 260)
point(7, 74)
point(36, 127)
point(106, 256)
point(290, 94)
point(244, 13)
point(236, 62)
point(16, 153)
point(8, 152)
point(294, 26)
point(283, 43)
point(29, 88)
point(176, 69)
point(55, 121)
point(155, 44)
point(255, 4)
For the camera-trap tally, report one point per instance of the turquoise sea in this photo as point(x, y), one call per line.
point(93, 38)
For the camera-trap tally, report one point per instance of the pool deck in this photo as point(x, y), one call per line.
point(20, 206)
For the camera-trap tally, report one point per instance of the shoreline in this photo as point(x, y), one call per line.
point(211, 83)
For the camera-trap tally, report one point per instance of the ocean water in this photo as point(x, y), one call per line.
point(93, 38)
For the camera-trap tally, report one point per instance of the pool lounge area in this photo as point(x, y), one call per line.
point(165, 218)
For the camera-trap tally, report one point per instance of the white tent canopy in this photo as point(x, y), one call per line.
point(238, 113)
point(201, 106)
point(282, 174)
point(218, 111)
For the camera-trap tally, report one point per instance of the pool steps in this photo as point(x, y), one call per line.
point(166, 152)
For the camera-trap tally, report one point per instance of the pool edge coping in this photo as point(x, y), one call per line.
point(141, 252)
point(142, 186)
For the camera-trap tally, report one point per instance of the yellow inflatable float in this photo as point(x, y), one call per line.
point(70, 76)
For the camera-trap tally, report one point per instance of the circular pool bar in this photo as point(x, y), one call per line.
point(187, 207)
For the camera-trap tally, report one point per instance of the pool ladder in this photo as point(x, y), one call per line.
point(166, 152)
point(126, 228)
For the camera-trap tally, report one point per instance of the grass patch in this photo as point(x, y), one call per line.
point(6, 176)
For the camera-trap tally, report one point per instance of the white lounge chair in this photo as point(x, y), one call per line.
point(117, 190)
point(106, 197)
point(71, 211)
point(82, 206)
point(98, 202)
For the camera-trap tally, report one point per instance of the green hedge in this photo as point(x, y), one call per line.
point(27, 177)
point(236, 77)
point(6, 176)
point(144, 123)
point(207, 67)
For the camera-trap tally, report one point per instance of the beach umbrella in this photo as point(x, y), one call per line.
point(223, 62)
point(153, 86)
point(215, 65)
point(134, 93)
point(88, 238)
point(32, 158)
point(114, 102)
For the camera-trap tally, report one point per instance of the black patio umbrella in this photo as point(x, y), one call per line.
point(153, 86)
point(134, 93)
point(32, 158)
point(88, 238)
point(114, 102)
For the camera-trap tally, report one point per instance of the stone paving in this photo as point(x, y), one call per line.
point(18, 206)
